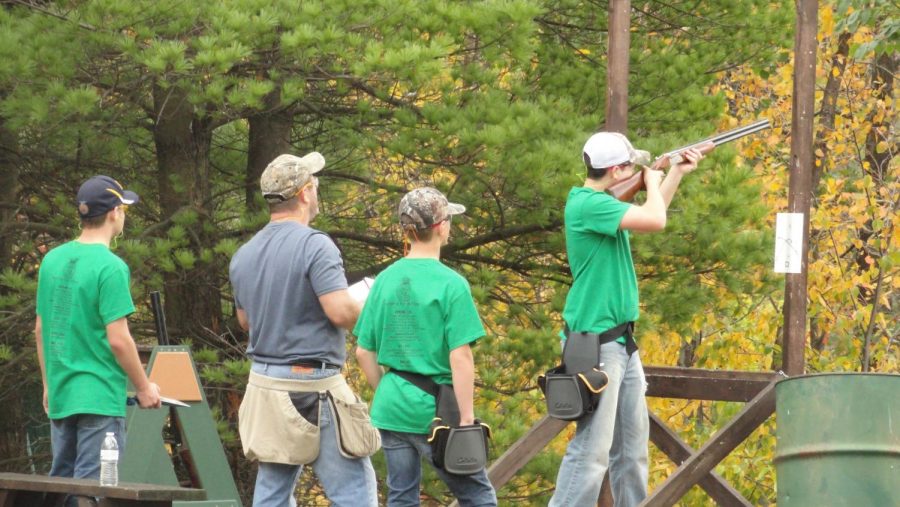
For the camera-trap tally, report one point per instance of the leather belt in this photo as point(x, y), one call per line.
point(318, 365)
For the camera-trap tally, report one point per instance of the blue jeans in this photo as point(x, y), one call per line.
point(404, 452)
point(615, 437)
point(347, 482)
point(76, 442)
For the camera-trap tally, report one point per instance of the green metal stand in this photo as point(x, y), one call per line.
point(146, 458)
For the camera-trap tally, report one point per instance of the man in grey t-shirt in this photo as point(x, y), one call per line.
point(291, 295)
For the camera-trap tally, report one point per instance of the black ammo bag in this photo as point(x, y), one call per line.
point(459, 450)
point(572, 389)
point(571, 396)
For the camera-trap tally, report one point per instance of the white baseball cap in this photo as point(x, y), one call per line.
point(606, 149)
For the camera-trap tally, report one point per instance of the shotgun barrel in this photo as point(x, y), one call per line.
point(625, 190)
point(675, 157)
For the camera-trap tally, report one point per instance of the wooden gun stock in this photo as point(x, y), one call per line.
point(626, 190)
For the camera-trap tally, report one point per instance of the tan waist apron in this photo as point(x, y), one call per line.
point(273, 431)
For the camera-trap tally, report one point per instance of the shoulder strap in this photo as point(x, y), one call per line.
point(421, 381)
point(445, 405)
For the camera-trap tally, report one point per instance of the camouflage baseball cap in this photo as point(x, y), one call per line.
point(423, 207)
point(286, 175)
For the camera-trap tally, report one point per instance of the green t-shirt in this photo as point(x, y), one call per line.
point(82, 288)
point(417, 312)
point(604, 292)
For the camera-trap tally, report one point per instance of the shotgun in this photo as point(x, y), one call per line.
point(626, 190)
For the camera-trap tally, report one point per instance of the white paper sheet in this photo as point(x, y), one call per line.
point(360, 290)
point(788, 242)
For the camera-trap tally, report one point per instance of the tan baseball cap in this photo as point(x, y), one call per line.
point(423, 207)
point(286, 175)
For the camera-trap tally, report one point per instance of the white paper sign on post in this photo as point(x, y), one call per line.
point(788, 242)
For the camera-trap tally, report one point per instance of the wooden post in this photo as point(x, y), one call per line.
point(617, 66)
point(794, 345)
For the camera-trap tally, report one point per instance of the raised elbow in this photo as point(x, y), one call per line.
point(645, 218)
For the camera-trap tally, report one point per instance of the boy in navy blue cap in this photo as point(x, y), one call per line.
point(100, 195)
point(83, 343)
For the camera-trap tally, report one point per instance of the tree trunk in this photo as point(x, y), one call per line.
point(880, 150)
point(9, 185)
point(880, 134)
point(192, 300)
point(270, 136)
point(829, 109)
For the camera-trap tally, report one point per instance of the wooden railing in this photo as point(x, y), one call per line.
point(695, 467)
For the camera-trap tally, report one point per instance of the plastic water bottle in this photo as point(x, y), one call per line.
point(109, 461)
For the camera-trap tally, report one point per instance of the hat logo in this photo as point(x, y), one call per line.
point(115, 193)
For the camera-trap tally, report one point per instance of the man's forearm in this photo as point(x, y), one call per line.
point(341, 309)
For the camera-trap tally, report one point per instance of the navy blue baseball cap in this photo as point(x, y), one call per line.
point(100, 194)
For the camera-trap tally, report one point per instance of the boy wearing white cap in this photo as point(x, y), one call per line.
point(604, 297)
point(420, 318)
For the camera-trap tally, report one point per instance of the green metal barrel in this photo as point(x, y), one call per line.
point(838, 440)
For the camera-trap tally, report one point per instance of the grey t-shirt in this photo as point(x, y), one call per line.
point(277, 279)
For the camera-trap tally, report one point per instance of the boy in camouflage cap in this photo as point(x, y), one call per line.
point(424, 207)
point(417, 310)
